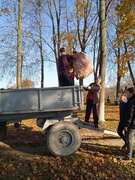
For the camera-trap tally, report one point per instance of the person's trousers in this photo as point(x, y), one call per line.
point(65, 79)
point(89, 107)
point(121, 132)
point(95, 114)
point(129, 136)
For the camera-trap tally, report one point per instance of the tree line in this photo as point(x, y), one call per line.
point(33, 31)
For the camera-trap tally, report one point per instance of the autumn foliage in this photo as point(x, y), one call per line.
point(24, 156)
point(125, 34)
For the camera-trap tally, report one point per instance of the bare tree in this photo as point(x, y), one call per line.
point(85, 31)
point(41, 46)
point(19, 45)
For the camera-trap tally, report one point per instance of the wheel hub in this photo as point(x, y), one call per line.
point(65, 139)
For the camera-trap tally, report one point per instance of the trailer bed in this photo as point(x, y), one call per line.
point(39, 102)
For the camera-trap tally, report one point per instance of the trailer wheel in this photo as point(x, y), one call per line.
point(3, 132)
point(63, 139)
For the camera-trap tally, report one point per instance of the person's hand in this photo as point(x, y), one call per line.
point(126, 128)
point(75, 52)
point(88, 87)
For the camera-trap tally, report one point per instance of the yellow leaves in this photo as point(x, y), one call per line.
point(67, 37)
point(122, 62)
point(81, 6)
point(87, 161)
point(4, 165)
point(29, 35)
point(67, 40)
point(109, 171)
point(95, 168)
point(4, 11)
point(39, 3)
point(10, 166)
point(125, 7)
point(126, 25)
point(115, 160)
point(28, 178)
point(94, 160)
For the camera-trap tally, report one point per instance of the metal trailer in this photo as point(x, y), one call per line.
point(52, 107)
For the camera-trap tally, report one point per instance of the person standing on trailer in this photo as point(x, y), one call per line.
point(65, 62)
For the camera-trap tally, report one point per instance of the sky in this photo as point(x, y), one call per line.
point(50, 75)
point(51, 78)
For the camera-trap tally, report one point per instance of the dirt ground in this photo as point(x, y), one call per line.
point(24, 156)
point(29, 139)
point(35, 144)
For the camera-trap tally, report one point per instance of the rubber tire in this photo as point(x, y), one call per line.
point(63, 139)
point(3, 132)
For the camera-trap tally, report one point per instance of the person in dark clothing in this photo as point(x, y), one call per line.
point(121, 125)
point(93, 100)
point(129, 123)
point(108, 98)
point(65, 62)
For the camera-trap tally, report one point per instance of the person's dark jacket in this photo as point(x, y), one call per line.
point(95, 89)
point(122, 109)
point(130, 113)
point(64, 62)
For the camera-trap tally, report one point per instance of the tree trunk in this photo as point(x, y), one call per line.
point(55, 27)
point(19, 45)
point(131, 73)
point(129, 67)
point(118, 78)
point(41, 49)
point(103, 59)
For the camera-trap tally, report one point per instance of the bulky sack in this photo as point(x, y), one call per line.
point(83, 66)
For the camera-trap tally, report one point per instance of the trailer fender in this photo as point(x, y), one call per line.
point(47, 124)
